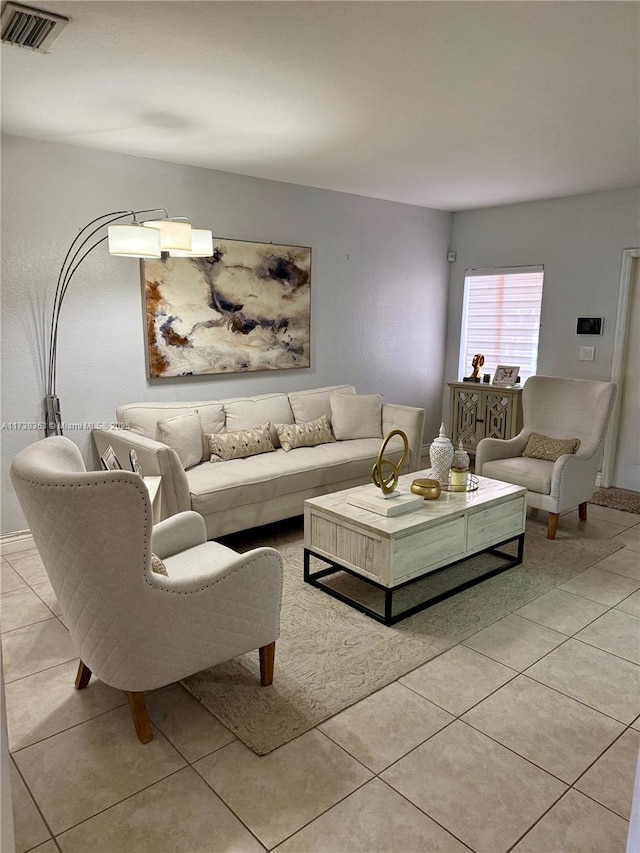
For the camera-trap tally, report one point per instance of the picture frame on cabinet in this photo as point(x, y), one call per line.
point(506, 375)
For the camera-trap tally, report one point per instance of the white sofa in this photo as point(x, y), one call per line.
point(241, 493)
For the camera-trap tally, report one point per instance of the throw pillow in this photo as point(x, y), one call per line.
point(309, 405)
point(184, 434)
point(543, 447)
point(240, 443)
point(308, 434)
point(158, 566)
point(356, 416)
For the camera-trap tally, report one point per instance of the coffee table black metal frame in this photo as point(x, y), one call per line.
point(388, 617)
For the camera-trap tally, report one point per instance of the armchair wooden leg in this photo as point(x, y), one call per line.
point(140, 717)
point(582, 511)
point(267, 657)
point(83, 676)
point(552, 525)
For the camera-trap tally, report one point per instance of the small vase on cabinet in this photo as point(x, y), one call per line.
point(441, 457)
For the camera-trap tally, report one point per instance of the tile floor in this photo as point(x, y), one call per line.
point(524, 737)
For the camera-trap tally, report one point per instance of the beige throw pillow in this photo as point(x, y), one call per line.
point(184, 434)
point(308, 434)
point(543, 447)
point(240, 443)
point(158, 566)
point(356, 416)
point(309, 405)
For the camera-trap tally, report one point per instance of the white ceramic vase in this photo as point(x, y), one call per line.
point(441, 457)
point(461, 459)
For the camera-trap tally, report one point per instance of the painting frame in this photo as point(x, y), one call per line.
point(245, 308)
point(505, 375)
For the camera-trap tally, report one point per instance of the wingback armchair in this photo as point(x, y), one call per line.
point(560, 409)
point(134, 628)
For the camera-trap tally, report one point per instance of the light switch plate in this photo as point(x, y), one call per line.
point(587, 353)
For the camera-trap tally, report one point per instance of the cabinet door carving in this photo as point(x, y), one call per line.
point(478, 411)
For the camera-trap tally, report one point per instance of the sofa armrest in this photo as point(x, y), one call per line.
point(156, 459)
point(175, 534)
point(411, 421)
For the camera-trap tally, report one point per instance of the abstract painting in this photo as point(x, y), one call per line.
point(245, 308)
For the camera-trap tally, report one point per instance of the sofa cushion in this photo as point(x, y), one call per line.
point(544, 447)
point(249, 412)
point(533, 474)
point(356, 416)
point(312, 404)
point(184, 434)
point(142, 418)
point(307, 434)
point(239, 444)
point(215, 488)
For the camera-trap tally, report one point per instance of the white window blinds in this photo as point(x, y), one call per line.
point(501, 318)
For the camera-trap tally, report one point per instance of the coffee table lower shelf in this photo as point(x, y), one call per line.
point(388, 617)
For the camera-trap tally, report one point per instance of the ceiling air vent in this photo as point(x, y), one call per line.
point(25, 26)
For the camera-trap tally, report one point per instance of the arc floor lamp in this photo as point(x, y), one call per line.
point(145, 238)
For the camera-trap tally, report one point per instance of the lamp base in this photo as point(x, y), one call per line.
point(53, 422)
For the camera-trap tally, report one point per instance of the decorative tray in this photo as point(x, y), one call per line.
point(470, 485)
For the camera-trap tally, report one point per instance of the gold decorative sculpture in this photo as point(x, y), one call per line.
point(387, 484)
point(476, 362)
point(427, 488)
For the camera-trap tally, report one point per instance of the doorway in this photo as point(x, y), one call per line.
point(621, 463)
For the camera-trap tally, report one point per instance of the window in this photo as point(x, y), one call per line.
point(501, 318)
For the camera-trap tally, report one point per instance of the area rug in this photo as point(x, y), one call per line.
point(330, 656)
point(615, 498)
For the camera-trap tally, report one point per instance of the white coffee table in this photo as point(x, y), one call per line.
point(391, 553)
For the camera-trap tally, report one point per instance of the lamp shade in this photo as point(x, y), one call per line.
point(201, 245)
point(133, 241)
point(174, 236)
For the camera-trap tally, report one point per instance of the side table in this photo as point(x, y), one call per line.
point(154, 487)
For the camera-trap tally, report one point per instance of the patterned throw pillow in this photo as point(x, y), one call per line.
point(240, 443)
point(307, 434)
point(543, 447)
point(158, 566)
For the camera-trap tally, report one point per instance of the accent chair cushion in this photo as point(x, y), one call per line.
point(239, 444)
point(184, 434)
point(356, 416)
point(307, 434)
point(533, 474)
point(158, 566)
point(543, 447)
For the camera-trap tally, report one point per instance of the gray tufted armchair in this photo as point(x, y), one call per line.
point(136, 629)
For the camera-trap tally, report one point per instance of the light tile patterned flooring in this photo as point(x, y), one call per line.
point(524, 737)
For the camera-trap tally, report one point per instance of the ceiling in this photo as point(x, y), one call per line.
point(449, 105)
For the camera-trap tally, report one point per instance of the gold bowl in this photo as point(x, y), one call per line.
point(427, 489)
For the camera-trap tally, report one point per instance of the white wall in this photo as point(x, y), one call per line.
point(379, 287)
point(579, 240)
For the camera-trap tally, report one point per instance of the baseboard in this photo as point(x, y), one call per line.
point(18, 540)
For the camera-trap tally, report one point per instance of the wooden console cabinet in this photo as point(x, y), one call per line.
point(478, 410)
